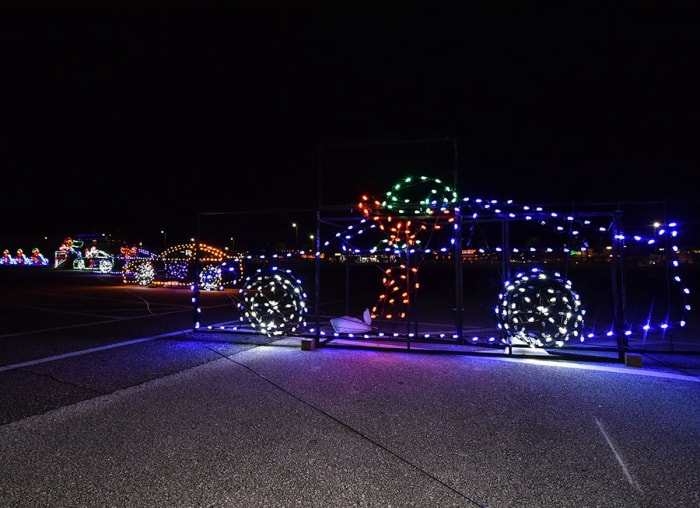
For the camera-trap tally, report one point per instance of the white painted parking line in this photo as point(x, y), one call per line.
point(618, 457)
point(87, 351)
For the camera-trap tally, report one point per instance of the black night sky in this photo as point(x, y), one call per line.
point(133, 121)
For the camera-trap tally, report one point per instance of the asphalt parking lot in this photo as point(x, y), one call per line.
point(200, 419)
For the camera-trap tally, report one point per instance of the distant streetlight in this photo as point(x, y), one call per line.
point(233, 245)
point(311, 237)
point(296, 235)
point(165, 239)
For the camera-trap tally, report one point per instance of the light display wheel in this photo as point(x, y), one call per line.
point(210, 278)
point(539, 309)
point(274, 302)
point(105, 265)
point(144, 274)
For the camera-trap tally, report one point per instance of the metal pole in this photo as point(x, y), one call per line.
point(317, 292)
point(317, 257)
point(409, 295)
point(667, 265)
point(459, 278)
point(347, 282)
point(618, 287)
point(505, 263)
point(195, 285)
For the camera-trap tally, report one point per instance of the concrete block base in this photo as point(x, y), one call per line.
point(308, 344)
point(633, 360)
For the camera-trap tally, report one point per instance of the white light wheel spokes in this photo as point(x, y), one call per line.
point(274, 302)
point(210, 278)
point(144, 274)
point(539, 309)
point(105, 265)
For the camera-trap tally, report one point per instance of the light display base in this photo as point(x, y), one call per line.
point(633, 360)
point(308, 344)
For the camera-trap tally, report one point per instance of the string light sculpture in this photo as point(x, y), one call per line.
point(139, 271)
point(7, 258)
point(132, 255)
point(400, 226)
point(95, 260)
point(274, 302)
point(400, 283)
point(176, 267)
point(580, 231)
point(36, 258)
point(403, 223)
point(414, 209)
point(539, 309)
point(210, 277)
point(419, 217)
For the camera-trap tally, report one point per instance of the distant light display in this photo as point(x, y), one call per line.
point(540, 309)
point(7, 258)
point(20, 258)
point(96, 260)
point(210, 277)
point(274, 302)
point(38, 258)
point(175, 266)
point(143, 272)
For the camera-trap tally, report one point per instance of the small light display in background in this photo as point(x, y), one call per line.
point(177, 265)
point(20, 258)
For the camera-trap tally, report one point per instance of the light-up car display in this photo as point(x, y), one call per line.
point(177, 265)
point(70, 255)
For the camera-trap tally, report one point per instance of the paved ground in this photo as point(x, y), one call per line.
point(274, 425)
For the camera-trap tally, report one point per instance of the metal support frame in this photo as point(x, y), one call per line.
point(618, 288)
